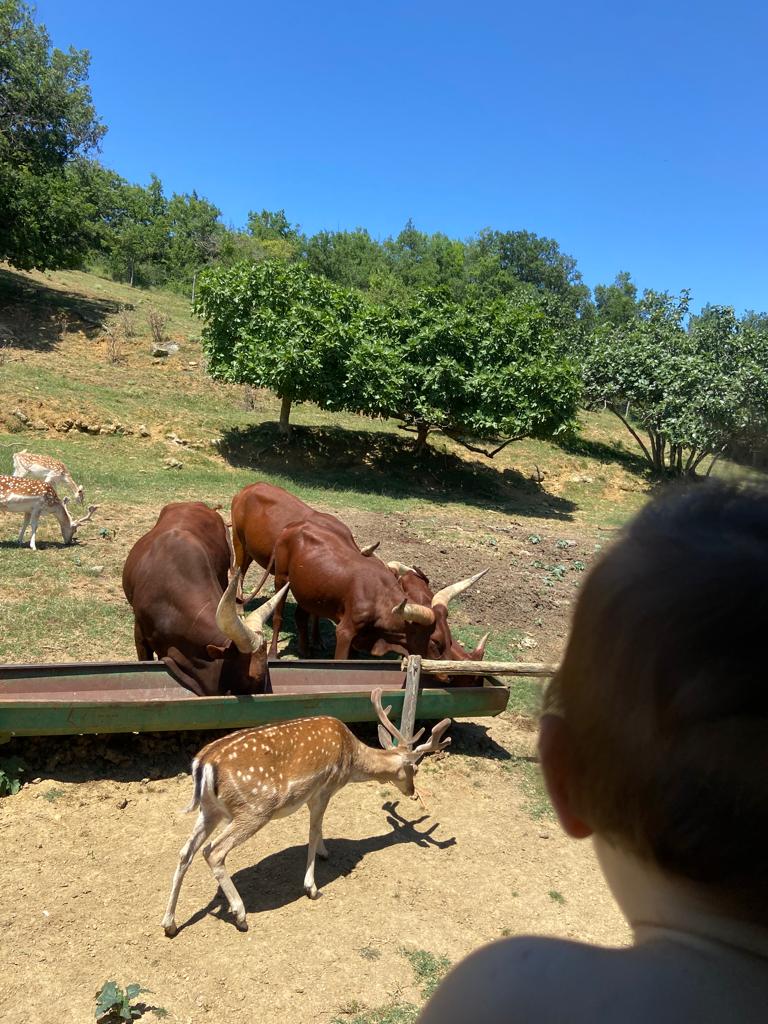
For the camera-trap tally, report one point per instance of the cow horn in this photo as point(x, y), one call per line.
point(418, 613)
point(259, 616)
point(246, 634)
point(230, 623)
point(399, 568)
point(369, 549)
point(447, 594)
point(479, 652)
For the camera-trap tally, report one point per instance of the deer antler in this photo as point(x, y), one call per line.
point(435, 741)
point(84, 519)
point(390, 728)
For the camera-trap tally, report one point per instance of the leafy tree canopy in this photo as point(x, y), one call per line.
point(47, 119)
point(692, 388)
point(275, 325)
point(473, 370)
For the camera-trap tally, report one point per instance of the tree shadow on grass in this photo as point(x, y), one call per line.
point(378, 462)
point(277, 880)
point(33, 316)
point(602, 451)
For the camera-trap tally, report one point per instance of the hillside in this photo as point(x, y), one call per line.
point(139, 431)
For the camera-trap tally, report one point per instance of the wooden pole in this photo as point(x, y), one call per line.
point(486, 668)
point(412, 680)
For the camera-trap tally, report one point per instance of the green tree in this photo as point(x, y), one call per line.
point(691, 389)
point(475, 371)
point(194, 236)
point(274, 325)
point(617, 303)
point(277, 237)
point(47, 120)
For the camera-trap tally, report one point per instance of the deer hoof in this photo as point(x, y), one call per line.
point(170, 929)
point(241, 924)
point(311, 891)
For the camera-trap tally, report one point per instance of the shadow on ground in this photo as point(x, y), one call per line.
point(277, 880)
point(604, 452)
point(34, 316)
point(378, 462)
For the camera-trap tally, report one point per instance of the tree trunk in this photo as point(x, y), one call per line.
point(285, 415)
point(131, 273)
point(422, 430)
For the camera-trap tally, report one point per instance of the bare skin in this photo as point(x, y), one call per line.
point(690, 960)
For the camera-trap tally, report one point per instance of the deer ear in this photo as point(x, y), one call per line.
point(384, 738)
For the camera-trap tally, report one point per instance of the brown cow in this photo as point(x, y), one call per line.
point(176, 581)
point(261, 511)
point(416, 587)
point(361, 595)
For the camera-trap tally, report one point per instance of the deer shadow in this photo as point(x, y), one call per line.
point(276, 881)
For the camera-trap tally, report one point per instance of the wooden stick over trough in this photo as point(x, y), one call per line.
point(488, 668)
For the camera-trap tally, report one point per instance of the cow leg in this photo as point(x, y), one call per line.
point(277, 618)
point(302, 620)
point(207, 820)
point(24, 526)
point(143, 650)
point(345, 634)
point(234, 834)
point(314, 639)
point(242, 560)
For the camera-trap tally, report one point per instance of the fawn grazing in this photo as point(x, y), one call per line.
point(254, 775)
point(44, 468)
point(33, 499)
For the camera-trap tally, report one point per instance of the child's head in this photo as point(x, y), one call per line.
point(663, 746)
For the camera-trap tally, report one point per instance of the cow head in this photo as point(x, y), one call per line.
point(245, 632)
point(432, 609)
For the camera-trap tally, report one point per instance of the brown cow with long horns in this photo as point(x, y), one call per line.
point(176, 579)
point(363, 596)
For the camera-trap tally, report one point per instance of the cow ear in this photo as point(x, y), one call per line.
point(217, 650)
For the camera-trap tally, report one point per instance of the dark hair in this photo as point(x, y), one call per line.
point(663, 687)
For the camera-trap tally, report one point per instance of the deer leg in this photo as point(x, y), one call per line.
point(34, 518)
point(216, 852)
point(207, 820)
point(24, 526)
point(317, 806)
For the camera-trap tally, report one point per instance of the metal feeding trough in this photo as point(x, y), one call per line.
point(110, 697)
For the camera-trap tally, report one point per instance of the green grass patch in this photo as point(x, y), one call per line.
point(428, 970)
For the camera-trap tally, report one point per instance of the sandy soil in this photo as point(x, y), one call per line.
point(89, 851)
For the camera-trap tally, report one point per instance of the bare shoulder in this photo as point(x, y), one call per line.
point(521, 979)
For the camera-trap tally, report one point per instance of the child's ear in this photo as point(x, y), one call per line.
point(555, 765)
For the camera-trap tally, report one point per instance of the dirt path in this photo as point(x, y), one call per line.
point(88, 864)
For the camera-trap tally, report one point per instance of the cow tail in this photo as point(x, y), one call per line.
point(262, 581)
point(202, 776)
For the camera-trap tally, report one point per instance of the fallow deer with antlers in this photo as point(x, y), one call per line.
point(252, 776)
point(33, 499)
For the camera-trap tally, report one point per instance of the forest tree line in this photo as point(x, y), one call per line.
point(487, 338)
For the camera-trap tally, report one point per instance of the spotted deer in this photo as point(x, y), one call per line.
point(33, 498)
point(47, 469)
point(250, 777)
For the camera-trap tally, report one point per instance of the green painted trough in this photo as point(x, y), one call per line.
point(70, 699)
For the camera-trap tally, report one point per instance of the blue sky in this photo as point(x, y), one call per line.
point(634, 135)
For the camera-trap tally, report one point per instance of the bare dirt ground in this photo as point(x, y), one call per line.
point(89, 851)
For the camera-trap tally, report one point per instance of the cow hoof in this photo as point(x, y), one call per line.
point(170, 929)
